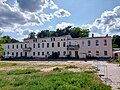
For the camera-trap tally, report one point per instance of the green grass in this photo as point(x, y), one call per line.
point(71, 66)
point(7, 64)
point(20, 80)
point(116, 61)
point(24, 71)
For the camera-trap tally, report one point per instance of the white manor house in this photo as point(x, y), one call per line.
point(64, 45)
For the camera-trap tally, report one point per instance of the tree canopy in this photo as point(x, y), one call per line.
point(8, 39)
point(75, 32)
point(116, 41)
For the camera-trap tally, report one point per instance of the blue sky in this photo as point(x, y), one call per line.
point(20, 17)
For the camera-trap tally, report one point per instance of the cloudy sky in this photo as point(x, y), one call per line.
point(20, 17)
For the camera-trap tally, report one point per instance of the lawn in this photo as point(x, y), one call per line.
point(56, 79)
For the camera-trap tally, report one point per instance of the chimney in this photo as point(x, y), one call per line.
point(92, 35)
point(106, 35)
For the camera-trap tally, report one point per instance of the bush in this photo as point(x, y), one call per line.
point(71, 66)
point(57, 69)
point(55, 55)
point(25, 71)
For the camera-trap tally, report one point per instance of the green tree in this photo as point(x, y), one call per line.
point(32, 35)
point(1, 47)
point(116, 41)
point(6, 39)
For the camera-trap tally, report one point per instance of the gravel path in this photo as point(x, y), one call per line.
point(110, 73)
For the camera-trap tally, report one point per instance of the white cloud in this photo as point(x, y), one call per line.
point(32, 5)
point(63, 25)
point(50, 27)
point(53, 5)
point(108, 23)
point(62, 13)
point(46, 17)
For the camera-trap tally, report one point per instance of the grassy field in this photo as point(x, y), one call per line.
point(56, 79)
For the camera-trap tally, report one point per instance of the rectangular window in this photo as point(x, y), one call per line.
point(97, 53)
point(34, 40)
point(21, 45)
point(64, 44)
point(33, 45)
point(17, 46)
point(42, 45)
point(47, 53)
point(47, 45)
point(16, 54)
point(52, 44)
point(38, 53)
point(58, 52)
point(38, 45)
point(82, 43)
point(21, 54)
point(12, 53)
point(12, 46)
point(89, 51)
point(58, 44)
point(70, 53)
point(53, 39)
point(97, 43)
point(89, 43)
point(64, 52)
point(105, 42)
point(43, 53)
point(105, 53)
point(25, 45)
point(7, 53)
point(8, 46)
point(33, 53)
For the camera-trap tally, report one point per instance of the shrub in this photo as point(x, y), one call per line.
point(57, 69)
point(71, 66)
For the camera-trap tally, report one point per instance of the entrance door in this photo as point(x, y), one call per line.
point(76, 54)
point(25, 54)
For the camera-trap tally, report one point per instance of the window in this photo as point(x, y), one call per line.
point(25, 45)
point(47, 45)
point(16, 54)
point(8, 46)
point(43, 53)
point(53, 39)
point(89, 43)
point(105, 42)
point(12, 53)
point(21, 54)
point(7, 53)
point(105, 53)
point(17, 46)
point(58, 52)
point(70, 53)
point(63, 44)
point(61, 39)
point(58, 44)
point(97, 43)
point(69, 43)
point(38, 45)
point(21, 45)
point(82, 43)
point(47, 53)
point(33, 53)
point(52, 44)
point(64, 53)
point(97, 53)
point(38, 53)
point(33, 45)
point(89, 51)
point(34, 40)
point(13, 46)
point(42, 45)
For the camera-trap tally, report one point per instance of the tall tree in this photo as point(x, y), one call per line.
point(32, 35)
point(1, 47)
point(116, 41)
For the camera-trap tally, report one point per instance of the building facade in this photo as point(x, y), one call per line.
point(64, 45)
